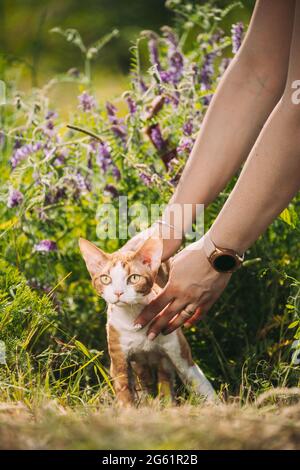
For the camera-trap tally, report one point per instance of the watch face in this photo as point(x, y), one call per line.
point(225, 263)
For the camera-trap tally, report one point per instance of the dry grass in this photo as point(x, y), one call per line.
point(271, 424)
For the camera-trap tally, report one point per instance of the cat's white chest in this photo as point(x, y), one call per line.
point(137, 341)
point(131, 340)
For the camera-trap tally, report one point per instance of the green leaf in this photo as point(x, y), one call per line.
point(292, 325)
point(289, 216)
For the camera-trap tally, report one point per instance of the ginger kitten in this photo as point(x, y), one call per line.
point(127, 281)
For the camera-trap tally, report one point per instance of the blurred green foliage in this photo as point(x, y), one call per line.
point(25, 26)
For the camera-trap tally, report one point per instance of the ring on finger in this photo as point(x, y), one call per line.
point(187, 313)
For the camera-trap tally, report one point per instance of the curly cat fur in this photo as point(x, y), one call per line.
point(138, 364)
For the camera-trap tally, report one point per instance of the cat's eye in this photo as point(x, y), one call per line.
point(134, 278)
point(105, 279)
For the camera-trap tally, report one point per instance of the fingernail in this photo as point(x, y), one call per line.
point(187, 325)
point(137, 326)
point(151, 336)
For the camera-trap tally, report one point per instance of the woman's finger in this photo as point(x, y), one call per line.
point(197, 315)
point(153, 308)
point(163, 319)
point(181, 318)
point(200, 312)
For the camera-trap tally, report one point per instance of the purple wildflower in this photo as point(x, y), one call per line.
point(156, 137)
point(170, 38)
point(86, 102)
point(51, 115)
point(112, 190)
point(18, 142)
point(76, 184)
point(45, 246)
point(175, 98)
point(103, 150)
point(207, 99)
point(116, 173)
point(185, 145)
point(188, 127)
point(142, 85)
point(89, 162)
point(175, 71)
point(153, 52)
point(237, 31)
point(176, 60)
point(50, 125)
point(15, 198)
point(146, 179)
point(112, 113)
point(131, 105)
point(117, 127)
point(82, 183)
point(176, 67)
point(166, 76)
point(103, 156)
point(23, 152)
point(206, 74)
point(60, 157)
point(120, 131)
point(207, 71)
point(216, 37)
point(49, 128)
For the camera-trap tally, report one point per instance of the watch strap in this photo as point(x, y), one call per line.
point(210, 247)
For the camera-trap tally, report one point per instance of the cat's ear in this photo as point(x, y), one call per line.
point(150, 253)
point(94, 257)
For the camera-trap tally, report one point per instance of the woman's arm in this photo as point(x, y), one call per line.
point(269, 180)
point(247, 93)
point(271, 175)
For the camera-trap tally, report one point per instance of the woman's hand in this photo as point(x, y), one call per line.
point(171, 240)
point(193, 287)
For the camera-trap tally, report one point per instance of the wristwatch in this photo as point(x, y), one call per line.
point(223, 260)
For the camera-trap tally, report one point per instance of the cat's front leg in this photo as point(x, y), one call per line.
point(121, 383)
point(119, 368)
point(179, 352)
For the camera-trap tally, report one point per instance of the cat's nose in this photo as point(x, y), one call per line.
point(119, 293)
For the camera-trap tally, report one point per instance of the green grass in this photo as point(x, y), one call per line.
point(272, 423)
point(54, 389)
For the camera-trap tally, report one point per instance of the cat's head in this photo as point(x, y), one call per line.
point(123, 277)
